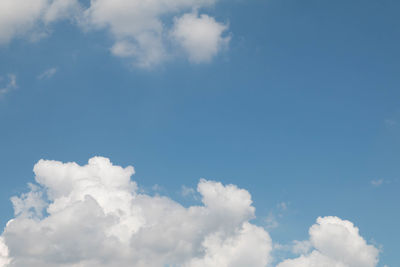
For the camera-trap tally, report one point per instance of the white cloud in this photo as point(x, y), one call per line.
point(10, 84)
point(200, 36)
point(336, 243)
point(139, 28)
point(19, 18)
point(4, 257)
point(140, 32)
point(62, 9)
point(47, 74)
point(95, 216)
point(30, 204)
point(242, 249)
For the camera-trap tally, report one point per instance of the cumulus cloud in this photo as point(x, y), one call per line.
point(200, 36)
point(94, 215)
point(19, 18)
point(237, 251)
point(4, 258)
point(139, 28)
point(141, 34)
point(47, 74)
point(336, 243)
point(10, 84)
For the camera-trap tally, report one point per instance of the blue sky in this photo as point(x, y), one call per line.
point(301, 107)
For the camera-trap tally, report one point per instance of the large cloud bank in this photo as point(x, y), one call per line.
point(94, 215)
point(147, 32)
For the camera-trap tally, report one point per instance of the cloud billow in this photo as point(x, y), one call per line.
point(94, 215)
point(336, 243)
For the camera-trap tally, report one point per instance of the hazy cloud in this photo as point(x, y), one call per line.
point(377, 182)
point(301, 247)
point(189, 192)
point(47, 74)
point(10, 83)
point(390, 122)
point(20, 18)
point(271, 222)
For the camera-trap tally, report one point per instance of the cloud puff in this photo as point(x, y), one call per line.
point(93, 215)
point(337, 243)
point(141, 34)
point(200, 36)
point(139, 28)
point(11, 84)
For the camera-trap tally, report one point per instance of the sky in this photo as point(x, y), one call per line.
point(261, 132)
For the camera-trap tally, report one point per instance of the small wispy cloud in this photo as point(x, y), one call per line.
point(390, 122)
point(10, 84)
point(301, 247)
point(377, 182)
point(282, 206)
point(271, 221)
point(157, 188)
point(189, 192)
point(47, 74)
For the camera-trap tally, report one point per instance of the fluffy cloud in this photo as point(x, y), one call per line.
point(200, 36)
point(4, 259)
point(242, 249)
point(93, 215)
point(138, 27)
point(140, 33)
point(20, 18)
point(337, 243)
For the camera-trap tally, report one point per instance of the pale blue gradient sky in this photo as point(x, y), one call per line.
point(303, 108)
